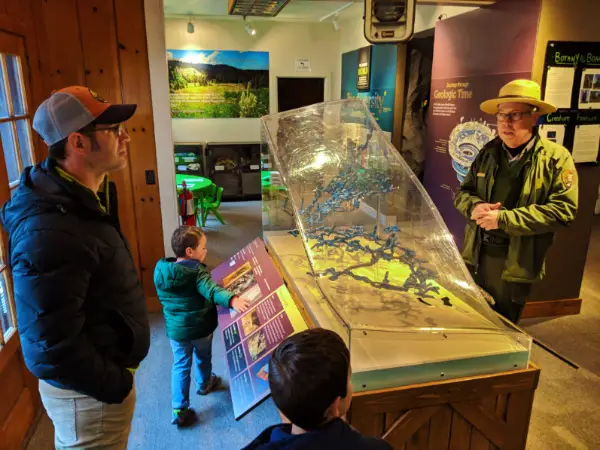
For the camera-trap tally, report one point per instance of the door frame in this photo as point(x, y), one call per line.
point(18, 384)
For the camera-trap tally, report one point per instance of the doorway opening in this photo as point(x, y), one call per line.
point(295, 93)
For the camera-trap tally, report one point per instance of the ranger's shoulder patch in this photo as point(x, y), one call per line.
point(567, 178)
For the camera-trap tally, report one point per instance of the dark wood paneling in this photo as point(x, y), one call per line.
point(460, 433)
point(135, 78)
point(518, 414)
point(552, 308)
point(408, 424)
point(501, 401)
point(11, 376)
point(479, 441)
point(391, 418)
point(421, 441)
point(101, 66)
point(369, 425)
point(487, 422)
point(36, 83)
point(484, 421)
point(427, 394)
point(16, 427)
point(441, 424)
point(18, 402)
point(59, 42)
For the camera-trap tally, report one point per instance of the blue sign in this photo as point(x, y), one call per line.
point(382, 73)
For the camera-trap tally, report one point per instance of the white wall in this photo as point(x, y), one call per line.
point(216, 130)
point(285, 41)
point(162, 118)
point(352, 26)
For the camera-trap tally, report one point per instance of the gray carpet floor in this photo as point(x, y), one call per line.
point(566, 407)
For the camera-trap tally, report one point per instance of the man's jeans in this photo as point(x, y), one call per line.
point(82, 422)
point(182, 365)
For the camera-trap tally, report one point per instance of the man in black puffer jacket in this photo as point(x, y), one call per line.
point(81, 311)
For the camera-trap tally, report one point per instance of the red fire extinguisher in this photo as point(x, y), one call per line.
point(186, 206)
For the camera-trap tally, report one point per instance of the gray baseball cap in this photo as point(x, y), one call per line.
point(73, 108)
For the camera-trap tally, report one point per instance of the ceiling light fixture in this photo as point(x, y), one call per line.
point(190, 26)
point(249, 28)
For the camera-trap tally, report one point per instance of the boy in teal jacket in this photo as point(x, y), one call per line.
point(189, 297)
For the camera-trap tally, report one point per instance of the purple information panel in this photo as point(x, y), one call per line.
point(250, 337)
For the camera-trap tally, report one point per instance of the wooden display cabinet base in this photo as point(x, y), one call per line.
point(483, 412)
point(552, 308)
point(488, 412)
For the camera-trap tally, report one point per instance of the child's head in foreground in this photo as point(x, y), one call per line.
point(189, 242)
point(309, 377)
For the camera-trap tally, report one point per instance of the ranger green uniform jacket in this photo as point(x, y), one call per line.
point(548, 202)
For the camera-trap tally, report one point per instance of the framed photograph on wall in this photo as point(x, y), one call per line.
point(206, 84)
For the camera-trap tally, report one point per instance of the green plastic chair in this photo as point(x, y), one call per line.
point(208, 195)
point(212, 206)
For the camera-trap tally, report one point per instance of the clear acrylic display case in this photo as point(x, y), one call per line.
point(369, 254)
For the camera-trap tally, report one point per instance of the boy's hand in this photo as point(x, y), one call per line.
point(239, 304)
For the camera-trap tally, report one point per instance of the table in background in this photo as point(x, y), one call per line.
point(200, 187)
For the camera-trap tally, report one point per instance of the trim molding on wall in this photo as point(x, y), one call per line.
point(159, 82)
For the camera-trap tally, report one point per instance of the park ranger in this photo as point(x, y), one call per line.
point(519, 191)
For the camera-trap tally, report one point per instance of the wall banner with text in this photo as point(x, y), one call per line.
point(458, 130)
point(469, 68)
point(379, 95)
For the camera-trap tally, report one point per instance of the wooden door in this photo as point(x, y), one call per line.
point(19, 396)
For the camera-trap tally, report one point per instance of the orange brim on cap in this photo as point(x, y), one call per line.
point(104, 112)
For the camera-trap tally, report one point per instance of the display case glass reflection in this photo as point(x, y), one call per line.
point(370, 254)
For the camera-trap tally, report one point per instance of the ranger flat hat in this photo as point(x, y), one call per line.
point(519, 91)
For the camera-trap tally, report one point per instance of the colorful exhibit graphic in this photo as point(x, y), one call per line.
point(464, 75)
point(218, 84)
point(380, 77)
point(249, 338)
point(465, 142)
point(457, 131)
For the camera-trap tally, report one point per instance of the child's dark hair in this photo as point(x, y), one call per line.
point(307, 372)
point(185, 237)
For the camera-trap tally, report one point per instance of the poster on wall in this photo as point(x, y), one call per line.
point(363, 70)
point(572, 82)
point(468, 68)
point(589, 94)
point(458, 130)
point(380, 96)
point(250, 338)
point(218, 84)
